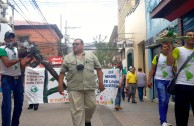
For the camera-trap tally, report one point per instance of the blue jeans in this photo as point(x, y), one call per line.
point(123, 91)
point(163, 98)
point(140, 93)
point(9, 85)
point(118, 97)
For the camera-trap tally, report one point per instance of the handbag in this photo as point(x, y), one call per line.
point(171, 86)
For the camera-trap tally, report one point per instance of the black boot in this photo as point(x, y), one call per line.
point(30, 106)
point(36, 106)
point(88, 124)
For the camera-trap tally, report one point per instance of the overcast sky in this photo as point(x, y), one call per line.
point(90, 17)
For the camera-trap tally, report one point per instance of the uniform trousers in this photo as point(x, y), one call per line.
point(82, 106)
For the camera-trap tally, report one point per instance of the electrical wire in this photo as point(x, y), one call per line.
point(29, 22)
point(62, 3)
point(44, 19)
point(34, 4)
point(23, 5)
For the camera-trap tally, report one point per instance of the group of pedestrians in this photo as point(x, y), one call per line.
point(129, 83)
point(81, 82)
point(80, 66)
point(165, 66)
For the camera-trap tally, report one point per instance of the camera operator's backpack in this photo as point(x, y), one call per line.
point(157, 58)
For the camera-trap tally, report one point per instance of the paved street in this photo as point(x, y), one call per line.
point(140, 114)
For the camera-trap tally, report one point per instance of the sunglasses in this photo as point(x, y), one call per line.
point(76, 44)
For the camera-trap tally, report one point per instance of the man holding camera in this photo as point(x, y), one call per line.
point(81, 82)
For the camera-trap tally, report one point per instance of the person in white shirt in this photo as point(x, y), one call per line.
point(184, 87)
point(11, 81)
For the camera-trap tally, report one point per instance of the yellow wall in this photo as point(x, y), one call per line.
point(123, 7)
point(136, 23)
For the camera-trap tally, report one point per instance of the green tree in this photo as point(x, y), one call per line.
point(105, 51)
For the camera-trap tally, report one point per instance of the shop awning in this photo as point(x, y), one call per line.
point(172, 9)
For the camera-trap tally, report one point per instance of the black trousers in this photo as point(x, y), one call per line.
point(184, 101)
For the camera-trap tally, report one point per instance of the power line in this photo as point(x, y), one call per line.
point(29, 22)
point(44, 19)
point(23, 5)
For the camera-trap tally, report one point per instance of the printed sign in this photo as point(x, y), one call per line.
point(111, 81)
point(57, 60)
point(41, 87)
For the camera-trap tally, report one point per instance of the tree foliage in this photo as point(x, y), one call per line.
point(105, 52)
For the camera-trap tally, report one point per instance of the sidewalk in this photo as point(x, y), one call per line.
point(140, 114)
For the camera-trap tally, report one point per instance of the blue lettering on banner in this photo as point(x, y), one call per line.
point(110, 72)
point(105, 81)
point(110, 76)
point(114, 81)
point(110, 85)
point(111, 81)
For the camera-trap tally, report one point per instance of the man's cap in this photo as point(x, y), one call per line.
point(9, 34)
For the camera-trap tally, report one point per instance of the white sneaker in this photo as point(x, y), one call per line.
point(169, 124)
point(164, 124)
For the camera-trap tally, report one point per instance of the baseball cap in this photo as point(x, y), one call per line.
point(9, 34)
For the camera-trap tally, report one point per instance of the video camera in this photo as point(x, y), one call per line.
point(30, 50)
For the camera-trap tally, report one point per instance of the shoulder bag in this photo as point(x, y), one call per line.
point(171, 86)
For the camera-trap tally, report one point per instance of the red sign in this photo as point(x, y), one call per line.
point(57, 60)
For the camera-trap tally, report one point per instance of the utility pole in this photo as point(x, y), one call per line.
point(12, 17)
point(3, 8)
point(66, 37)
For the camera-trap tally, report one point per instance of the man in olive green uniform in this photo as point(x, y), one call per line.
point(81, 82)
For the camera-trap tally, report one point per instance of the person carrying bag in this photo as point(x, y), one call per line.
point(171, 86)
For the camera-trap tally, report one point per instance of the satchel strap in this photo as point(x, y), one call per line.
point(185, 63)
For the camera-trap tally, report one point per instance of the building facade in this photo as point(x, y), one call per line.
point(132, 33)
point(46, 36)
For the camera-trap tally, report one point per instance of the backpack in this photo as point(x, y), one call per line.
point(157, 58)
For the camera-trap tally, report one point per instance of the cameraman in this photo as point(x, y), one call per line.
point(81, 83)
point(11, 80)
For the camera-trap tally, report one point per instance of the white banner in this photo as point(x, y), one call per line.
point(34, 81)
point(111, 81)
point(41, 87)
